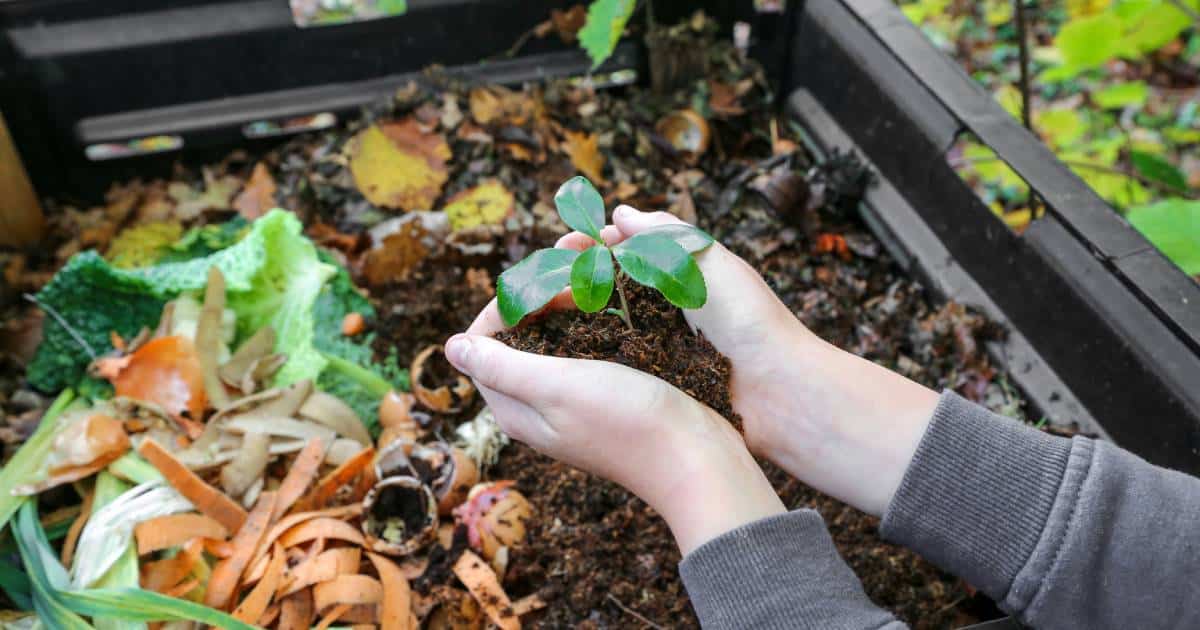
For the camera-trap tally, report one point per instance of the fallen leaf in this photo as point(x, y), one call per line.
point(500, 104)
point(395, 257)
point(189, 202)
point(487, 203)
point(259, 194)
point(584, 151)
point(397, 165)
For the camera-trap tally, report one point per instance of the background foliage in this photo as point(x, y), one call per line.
point(1115, 94)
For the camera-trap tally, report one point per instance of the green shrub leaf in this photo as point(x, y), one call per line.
point(532, 283)
point(1122, 95)
point(689, 237)
point(1155, 168)
point(581, 206)
point(592, 279)
point(606, 21)
point(1174, 227)
point(1089, 41)
point(657, 261)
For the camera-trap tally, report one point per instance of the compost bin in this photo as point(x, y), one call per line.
point(1087, 322)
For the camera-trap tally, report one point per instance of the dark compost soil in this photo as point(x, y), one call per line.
point(661, 344)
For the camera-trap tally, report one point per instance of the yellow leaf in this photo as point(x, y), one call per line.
point(399, 165)
point(488, 203)
point(1085, 8)
point(492, 104)
point(142, 245)
point(584, 151)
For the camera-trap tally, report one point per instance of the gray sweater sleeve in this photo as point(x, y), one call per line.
point(1062, 533)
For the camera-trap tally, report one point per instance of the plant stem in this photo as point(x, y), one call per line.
point(624, 303)
point(1023, 48)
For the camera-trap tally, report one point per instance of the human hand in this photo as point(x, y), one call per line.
point(840, 423)
point(678, 455)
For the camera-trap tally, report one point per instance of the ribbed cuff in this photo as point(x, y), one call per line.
point(779, 572)
point(977, 494)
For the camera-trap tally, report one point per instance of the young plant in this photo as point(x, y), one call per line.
point(660, 258)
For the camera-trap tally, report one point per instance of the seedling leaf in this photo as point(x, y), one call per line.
point(592, 279)
point(532, 283)
point(659, 262)
point(690, 238)
point(581, 206)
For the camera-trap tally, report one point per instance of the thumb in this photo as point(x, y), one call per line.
point(630, 220)
point(494, 365)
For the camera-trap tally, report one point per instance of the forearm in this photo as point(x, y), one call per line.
point(780, 572)
point(840, 423)
point(1062, 533)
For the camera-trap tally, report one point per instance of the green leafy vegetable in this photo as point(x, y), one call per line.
point(209, 239)
point(1174, 227)
point(581, 206)
point(606, 21)
point(592, 279)
point(123, 574)
point(659, 262)
point(532, 283)
point(46, 575)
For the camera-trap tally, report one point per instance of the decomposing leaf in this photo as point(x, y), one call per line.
point(584, 151)
point(399, 165)
point(398, 254)
point(217, 192)
point(724, 98)
point(143, 244)
point(259, 194)
point(496, 103)
point(567, 23)
point(488, 203)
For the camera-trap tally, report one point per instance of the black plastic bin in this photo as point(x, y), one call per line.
point(1104, 331)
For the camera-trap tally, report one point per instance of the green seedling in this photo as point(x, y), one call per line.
point(660, 258)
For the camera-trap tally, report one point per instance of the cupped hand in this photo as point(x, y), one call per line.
point(678, 455)
point(838, 422)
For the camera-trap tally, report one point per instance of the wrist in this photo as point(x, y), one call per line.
point(840, 423)
point(718, 486)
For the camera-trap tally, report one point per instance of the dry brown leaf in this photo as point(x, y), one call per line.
point(584, 151)
point(398, 254)
point(399, 165)
point(259, 194)
point(487, 203)
point(495, 104)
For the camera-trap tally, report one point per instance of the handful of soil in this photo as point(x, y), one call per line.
point(662, 344)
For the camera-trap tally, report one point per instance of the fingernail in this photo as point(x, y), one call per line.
point(624, 210)
point(458, 349)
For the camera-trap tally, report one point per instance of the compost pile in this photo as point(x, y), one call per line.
point(254, 423)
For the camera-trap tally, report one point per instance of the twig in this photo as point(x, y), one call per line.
point(1161, 187)
point(633, 613)
point(1023, 47)
point(63, 322)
